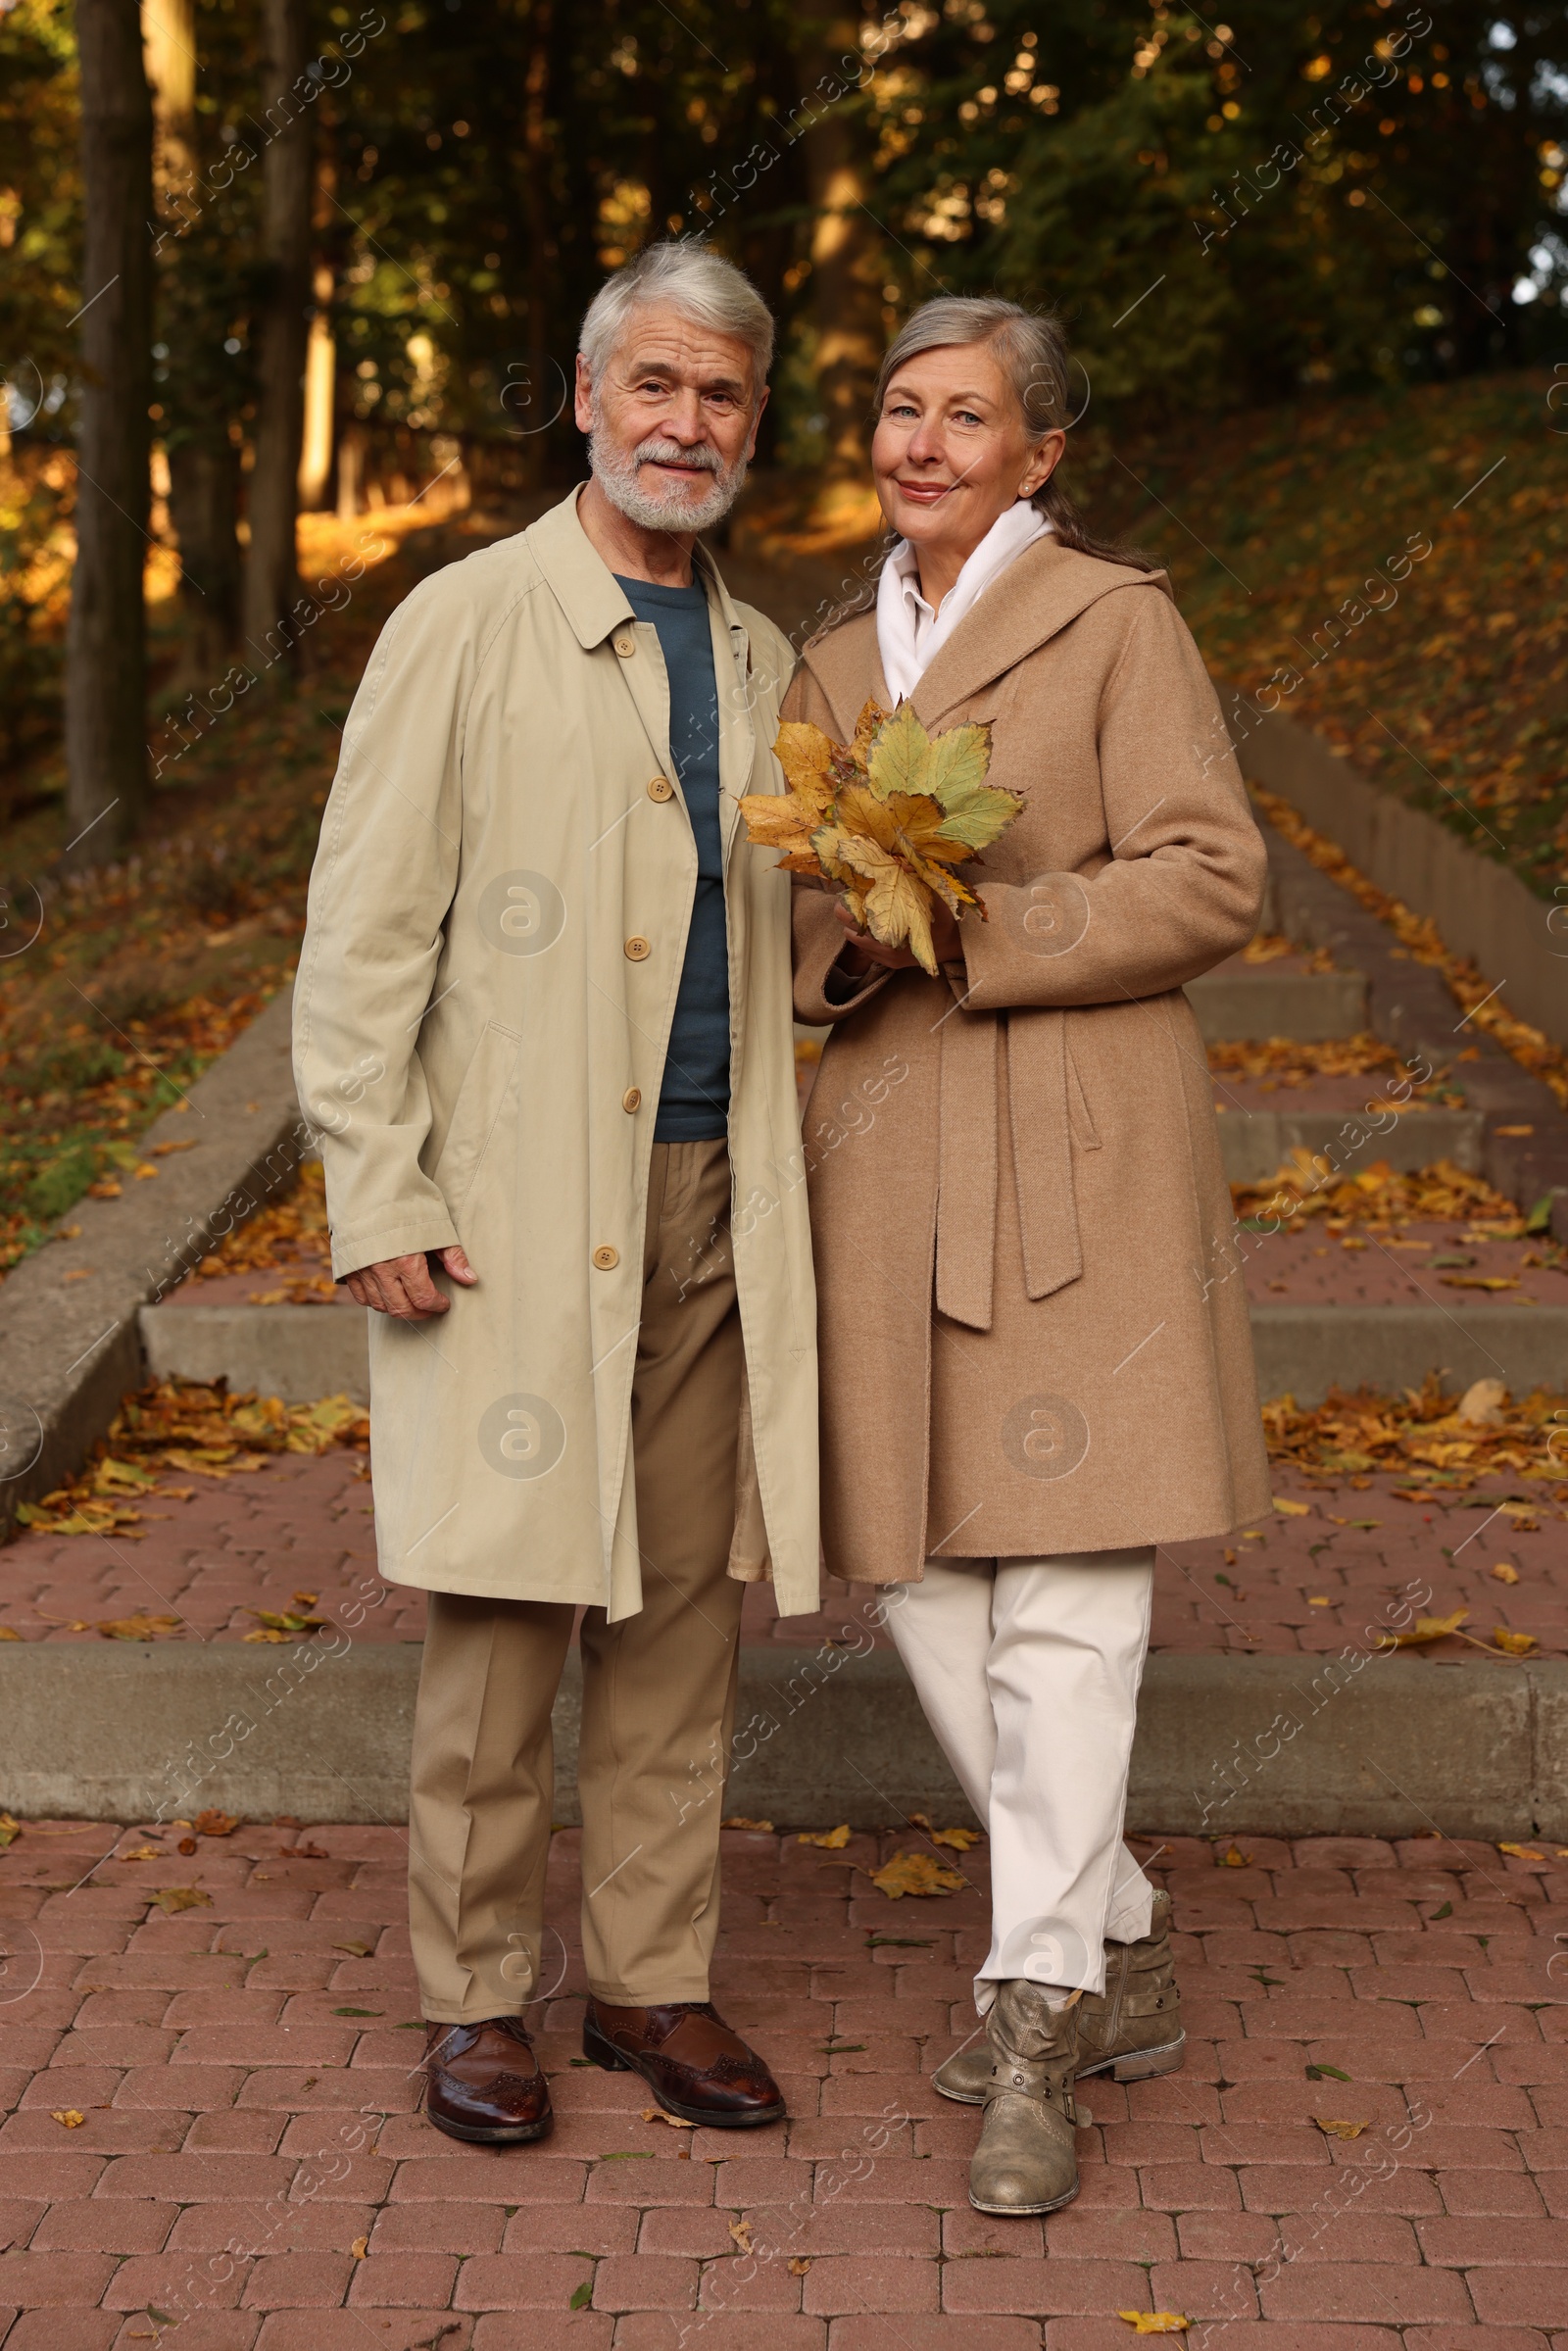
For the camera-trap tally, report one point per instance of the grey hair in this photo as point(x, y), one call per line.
point(693, 279)
point(1031, 350)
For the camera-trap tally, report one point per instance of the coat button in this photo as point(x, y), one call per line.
point(660, 787)
point(607, 1258)
point(637, 949)
point(625, 647)
point(632, 1099)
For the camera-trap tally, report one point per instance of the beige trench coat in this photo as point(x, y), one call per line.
point(1017, 1202)
point(498, 916)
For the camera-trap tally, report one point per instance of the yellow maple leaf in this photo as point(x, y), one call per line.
point(737, 1820)
point(1233, 1858)
point(832, 1840)
point(69, 2118)
point(960, 1839)
point(806, 758)
point(1516, 1645)
point(1503, 1573)
point(1334, 2130)
point(1156, 2321)
point(1522, 1852)
point(741, 2233)
point(898, 905)
point(1289, 1509)
point(170, 1898)
point(915, 1874)
point(138, 1628)
point(1426, 1628)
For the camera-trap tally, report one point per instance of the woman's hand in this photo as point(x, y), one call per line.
point(864, 953)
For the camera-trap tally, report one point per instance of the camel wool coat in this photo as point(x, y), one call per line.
point(497, 924)
point(1018, 1208)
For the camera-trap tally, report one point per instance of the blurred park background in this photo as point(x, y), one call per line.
point(289, 308)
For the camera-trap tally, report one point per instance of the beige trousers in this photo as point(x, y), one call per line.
point(658, 1687)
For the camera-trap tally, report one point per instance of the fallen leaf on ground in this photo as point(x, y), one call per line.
point(8, 1633)
point(170, 1898)
point(915, 1874)
point(69, 2118)
point(960, 1839)
point(737, 1819)
point(1503, 1573)
point(356, 1950)
point(265, 1634)
point(656, 2114)
point(1326, 2072)
point(833, 1840)
point(1481, 1404)
point(186, 1844)
point(1334, 2130)
point(581, 2295)
point(139, 1627)
point(1156, 2321)
point(216, 1824)
point(1235, 1859)
point(1425, 1628)
point(359, 2248)
point(798, 2266)
point(1477, 1281)
point(145, 1853)
point(1522, 1852)
point(288, 1620)
point(1517, 1645)
point(1289, 1509)
point(741, 2233)
point(10, 1831)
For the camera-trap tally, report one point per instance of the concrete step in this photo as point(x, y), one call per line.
point(296, 1352)
point(1255, 1144)
point(1241, 1000)
point(303, 1352)
point(137, 1731)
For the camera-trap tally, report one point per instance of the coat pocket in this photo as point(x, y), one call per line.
point(1085, 1134)
point(487, 1084)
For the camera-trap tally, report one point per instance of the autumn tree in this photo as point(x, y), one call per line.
point(105, 663)
point(281, 331)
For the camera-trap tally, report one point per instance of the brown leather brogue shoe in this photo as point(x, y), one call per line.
point(696, 2066)
point(484, 2082)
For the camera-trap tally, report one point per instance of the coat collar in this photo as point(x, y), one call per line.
point(587, 590)
point(1038, 594)
point(1047, 586)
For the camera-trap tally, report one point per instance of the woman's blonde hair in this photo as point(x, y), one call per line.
point(1032, 351)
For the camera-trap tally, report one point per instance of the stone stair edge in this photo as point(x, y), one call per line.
point(1296, 1746)
point(67, 1355)
point(1481, 911)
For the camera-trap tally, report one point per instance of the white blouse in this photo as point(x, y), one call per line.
point(908, 632)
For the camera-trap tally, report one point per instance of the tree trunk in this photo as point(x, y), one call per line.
point(271, 573)
point(203, 498)
point(106, 646)
point(846, 259)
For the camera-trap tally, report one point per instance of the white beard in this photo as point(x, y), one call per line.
point(675, 510)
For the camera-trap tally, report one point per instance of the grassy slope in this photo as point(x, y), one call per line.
point(1456, 693)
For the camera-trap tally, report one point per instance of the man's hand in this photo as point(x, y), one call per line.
point(402, 1287)
point(866, 953)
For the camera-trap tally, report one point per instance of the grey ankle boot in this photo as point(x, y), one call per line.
point(1131, 2030)
point(1026, 2161)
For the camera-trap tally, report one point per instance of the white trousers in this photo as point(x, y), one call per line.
point(1028, 1671)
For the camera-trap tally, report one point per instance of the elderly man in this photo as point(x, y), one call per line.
point(543, 1021)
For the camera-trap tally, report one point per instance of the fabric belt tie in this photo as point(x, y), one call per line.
point(1033, 1054)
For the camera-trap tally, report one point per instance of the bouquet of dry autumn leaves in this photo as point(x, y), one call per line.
point(887, 818)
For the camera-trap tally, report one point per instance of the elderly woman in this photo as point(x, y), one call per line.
point(1030, 1375)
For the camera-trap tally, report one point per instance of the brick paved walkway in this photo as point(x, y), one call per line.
point(1307, 1583)
point(251, 2155)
